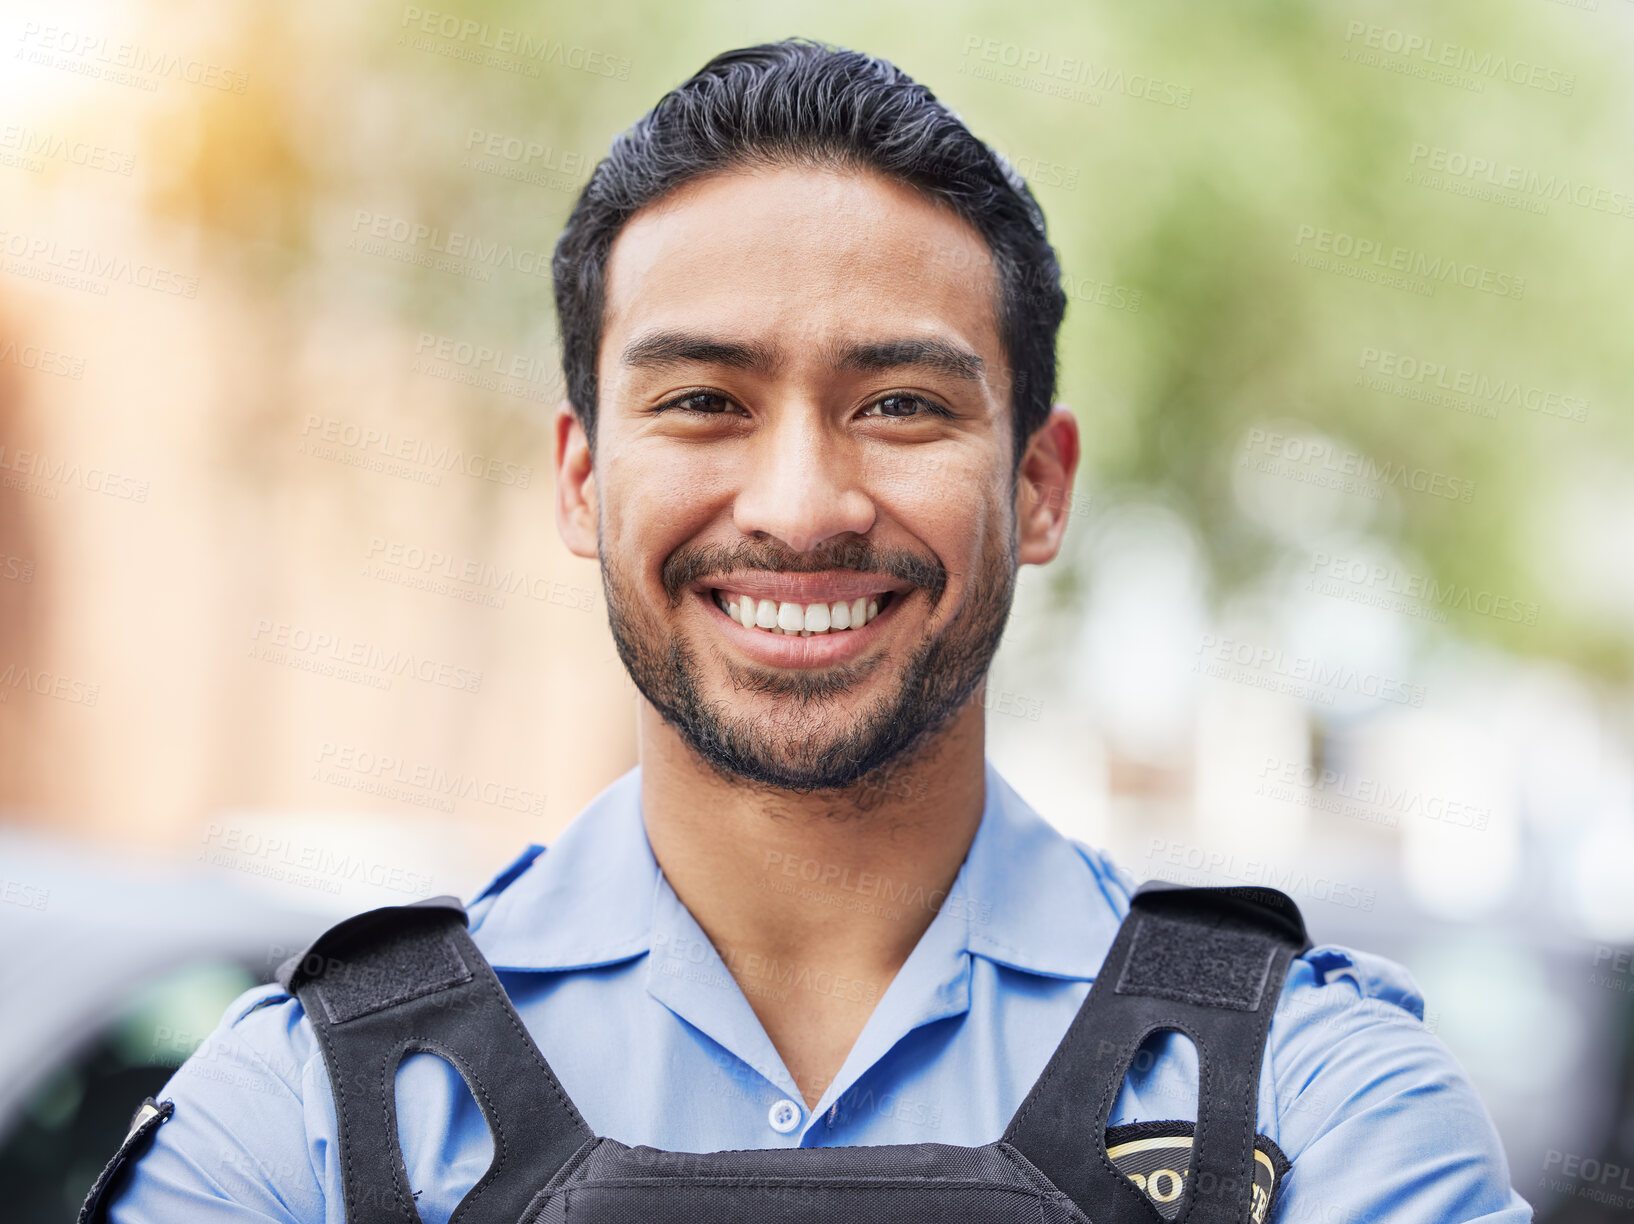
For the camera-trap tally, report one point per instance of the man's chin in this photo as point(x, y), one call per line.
point(823, 744)
point(768, 767)
point(793, 746)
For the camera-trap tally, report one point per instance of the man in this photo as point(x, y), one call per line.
point(808, 326)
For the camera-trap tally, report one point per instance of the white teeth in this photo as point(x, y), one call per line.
point(804, 620)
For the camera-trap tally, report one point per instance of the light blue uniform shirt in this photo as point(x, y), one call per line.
point(655, 1042)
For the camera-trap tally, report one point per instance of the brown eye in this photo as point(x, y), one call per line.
point(705, 403)
point(904, 406)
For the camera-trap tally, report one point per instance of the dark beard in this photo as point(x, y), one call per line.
point(937, 679)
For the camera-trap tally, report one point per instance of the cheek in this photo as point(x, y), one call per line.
point(947, 500)
point(653, 503)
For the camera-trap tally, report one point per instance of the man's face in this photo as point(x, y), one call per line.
point(804, 414)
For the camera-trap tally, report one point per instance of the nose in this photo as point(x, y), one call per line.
point(803, 484)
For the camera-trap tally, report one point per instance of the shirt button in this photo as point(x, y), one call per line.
point(784, 1116)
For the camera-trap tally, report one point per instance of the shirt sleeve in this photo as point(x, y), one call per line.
point(1380, 1121)
point(235, 1149)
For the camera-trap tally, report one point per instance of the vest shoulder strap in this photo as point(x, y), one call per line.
point(407, 978)
point(1206, 962)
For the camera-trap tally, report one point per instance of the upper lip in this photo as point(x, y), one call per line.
point(827, 586)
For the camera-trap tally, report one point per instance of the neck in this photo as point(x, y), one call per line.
point(837, 882)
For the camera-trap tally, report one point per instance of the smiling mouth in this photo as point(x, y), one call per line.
point(801, 620)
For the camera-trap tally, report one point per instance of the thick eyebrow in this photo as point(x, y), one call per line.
point(660, 350)
point(931, 354)
point(664, 349)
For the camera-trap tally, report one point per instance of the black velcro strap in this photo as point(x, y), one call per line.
point(149, 1116)
point(389, 930)
point(406, 979)
point(1217, 967)
point(1208, 963)
point(401, 966)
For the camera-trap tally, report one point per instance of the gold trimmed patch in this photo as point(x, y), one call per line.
point(1156, 1157)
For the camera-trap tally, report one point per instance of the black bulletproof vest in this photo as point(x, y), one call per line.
point(1209, 963)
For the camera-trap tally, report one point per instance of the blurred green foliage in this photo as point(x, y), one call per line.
point(1287, 128)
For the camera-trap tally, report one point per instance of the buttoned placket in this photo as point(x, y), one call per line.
point(687, 975)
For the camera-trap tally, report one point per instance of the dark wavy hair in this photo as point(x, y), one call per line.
point(800, 102)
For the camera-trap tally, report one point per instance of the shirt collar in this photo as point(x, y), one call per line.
point(1025, 897)
point(587, 900)
point(1037, 901)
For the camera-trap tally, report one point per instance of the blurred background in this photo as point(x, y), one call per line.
point(1346, 605)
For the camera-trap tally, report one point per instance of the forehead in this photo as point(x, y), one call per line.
point(801, 254)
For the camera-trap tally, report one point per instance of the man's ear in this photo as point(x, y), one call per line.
point(575, 485)
point(1044, 486)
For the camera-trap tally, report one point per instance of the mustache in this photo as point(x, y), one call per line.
point(688, 565)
